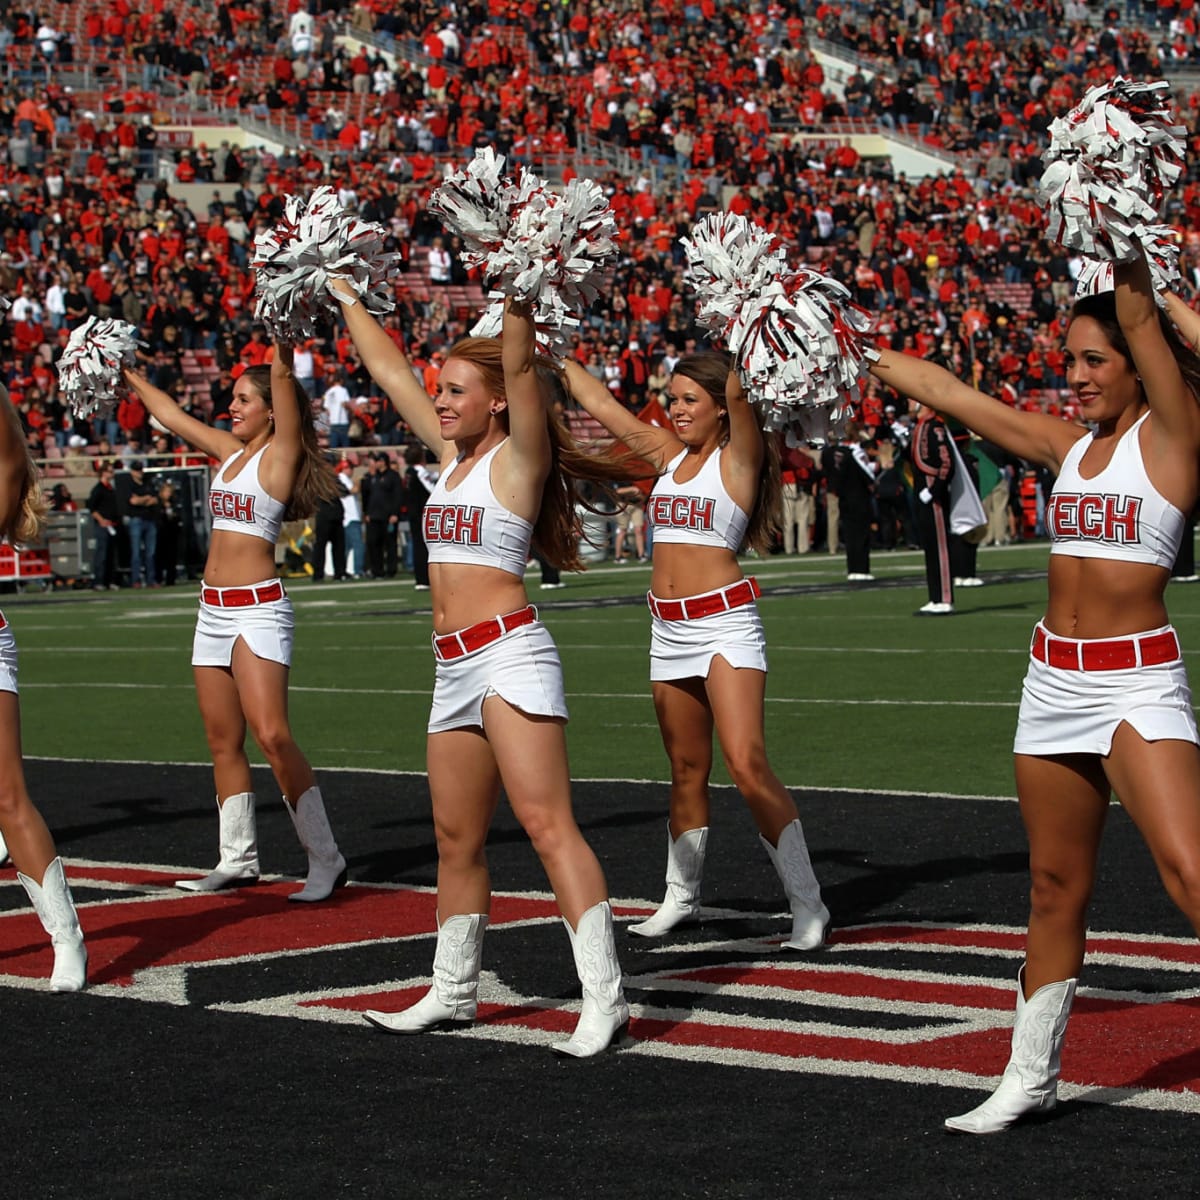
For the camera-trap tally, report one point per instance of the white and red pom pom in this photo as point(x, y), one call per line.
point(89, 371)
point(795, 335)
point(1110, 162)
point(316, 242)
point(551, 250)
point(1161, 246)
point(730, 260)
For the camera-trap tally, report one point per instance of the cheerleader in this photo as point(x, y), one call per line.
point(23, 833)
point(1106, 705)
point(718, 487)
point(271, 471)
point(506, 481)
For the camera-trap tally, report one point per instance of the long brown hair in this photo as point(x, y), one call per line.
point(1102, 308)
point(710, 370)
point(24, 523)
point(315, 479)
point(557, 527)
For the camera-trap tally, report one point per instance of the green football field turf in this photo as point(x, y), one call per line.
point(861, 694)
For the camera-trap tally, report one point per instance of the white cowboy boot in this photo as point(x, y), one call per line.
point(790, 859)
point(238, 841)
point(326, 866)
point(685, 870)
point(456, 964)
point(52, 902)
point(605, 1012)
point(1030, 1081)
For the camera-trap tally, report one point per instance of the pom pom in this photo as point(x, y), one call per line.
point(730, 261)
point(1108, 167)
point(89, 371)
point(1161, 245)
point(552, 251)
point(795, 336)
point(316, 242)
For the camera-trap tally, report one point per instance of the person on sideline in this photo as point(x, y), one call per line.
point(856, 496)
point(271, 470)
point(1105, 705)
point(419, 481)
point(382, 497)
point(505, 481)
point(797, 505)
point(23, 832)
point(932, 455)
point(105, 510)
point(717, 488)
point(143, 514)
point(631, 518)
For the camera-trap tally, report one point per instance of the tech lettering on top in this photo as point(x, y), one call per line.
point(681, 512)
point(457, 523)
point(231, 506)
point(1091, 517)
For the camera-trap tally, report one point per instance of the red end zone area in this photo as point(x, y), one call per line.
point(842, 1011)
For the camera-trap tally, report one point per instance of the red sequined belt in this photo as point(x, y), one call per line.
point(475, 637)
point(241, 597)
point(1108, 654)
point(692, 608)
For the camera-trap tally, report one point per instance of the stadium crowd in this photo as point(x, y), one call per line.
point(682, 109)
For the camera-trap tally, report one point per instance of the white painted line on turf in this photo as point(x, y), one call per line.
point(808, 787)
point(360, 691)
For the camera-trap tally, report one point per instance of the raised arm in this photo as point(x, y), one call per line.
point(287, 447)
point(746, 445)
point(216, 443)
point(1035, 437)
point(656, 446)
point(1171, 399)
point(741, 462)
point(1186, 319)
point(530, 437)
point(390, 368)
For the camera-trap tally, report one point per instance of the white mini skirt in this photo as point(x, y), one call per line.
point(685, 649)
point(1066, 711)
point(268, 629)
point(522, 667)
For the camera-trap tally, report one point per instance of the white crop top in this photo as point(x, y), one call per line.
point(699, 512)
point(241, 505)
point(467, 524)
point(1118, 514)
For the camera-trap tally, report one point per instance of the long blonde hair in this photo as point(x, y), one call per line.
point(315, 479)
point(711, 370)
point(557, 527)
point(24, 523)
